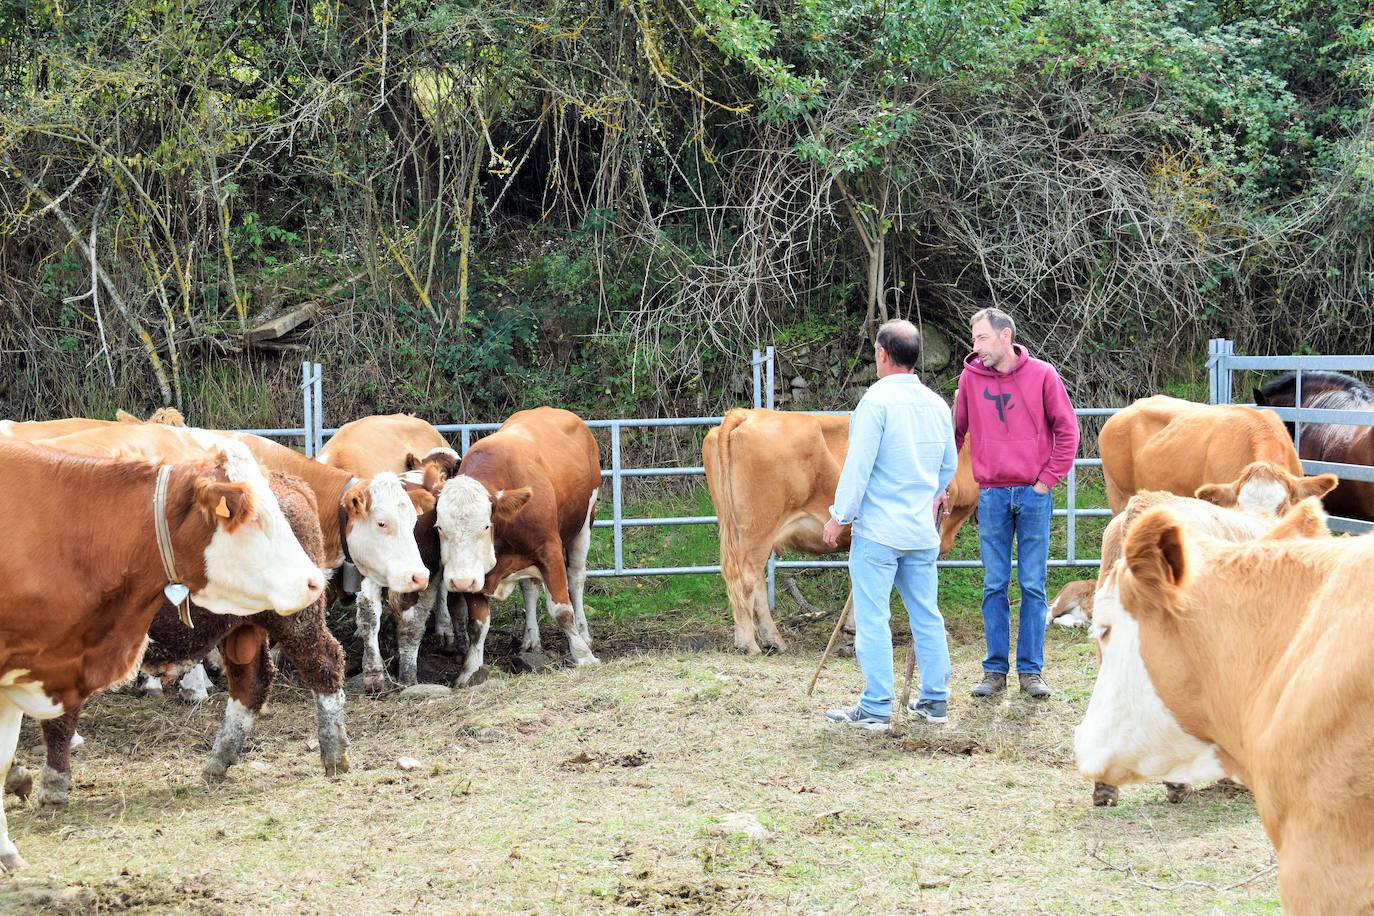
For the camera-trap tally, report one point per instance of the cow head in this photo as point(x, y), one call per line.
point(253, 561)
point(381, 533)
point(433, 469)
point(470, 518)
point(1128, 734)
point(1266, 489)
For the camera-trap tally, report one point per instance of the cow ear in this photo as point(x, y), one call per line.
point(1305, 520)
point(412, 463)
point(1320, 485)
point(357, 500)
point(1221, 494)
point(506, 503)
point(123, 416)
point(226, 504)
point(1157, 552)
point(1260, 399)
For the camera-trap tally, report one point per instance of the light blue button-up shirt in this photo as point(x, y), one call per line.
point(901, 456)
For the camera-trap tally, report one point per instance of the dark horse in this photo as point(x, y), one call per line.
point(1329, 441)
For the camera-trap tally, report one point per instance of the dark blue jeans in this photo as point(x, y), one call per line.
point(1004, 513)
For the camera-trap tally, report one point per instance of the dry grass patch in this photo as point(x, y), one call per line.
point(609, 789)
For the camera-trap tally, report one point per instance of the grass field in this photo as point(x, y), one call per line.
point(628, 787)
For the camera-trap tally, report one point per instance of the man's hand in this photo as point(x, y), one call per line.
point(1040, 488)
point(938, 507)
point(831, 534)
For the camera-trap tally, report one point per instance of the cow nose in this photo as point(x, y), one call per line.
point(419, 581)
point(466, 586)
point(314, 587)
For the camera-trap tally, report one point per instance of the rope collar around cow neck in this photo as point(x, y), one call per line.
point(176, 591)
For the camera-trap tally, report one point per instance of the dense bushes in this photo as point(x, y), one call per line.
point(607, 204)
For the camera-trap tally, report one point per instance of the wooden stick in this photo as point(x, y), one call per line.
point(910, 670)
point(830, 646)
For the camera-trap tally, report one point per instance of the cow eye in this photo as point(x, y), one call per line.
point(488, 527)
point(383, 525)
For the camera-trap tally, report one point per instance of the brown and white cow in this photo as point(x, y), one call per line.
point(1164, 443)
point(1268, 489)
point(370, 521)
point(772, 477)
point(82, 575)
point(522, 506)
point(1251, 660)
point(304, 639)
point(385, 444)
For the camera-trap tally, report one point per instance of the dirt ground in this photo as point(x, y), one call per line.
point(657, 782)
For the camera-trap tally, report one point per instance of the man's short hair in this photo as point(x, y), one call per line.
point(902, 342)
point(995, 317)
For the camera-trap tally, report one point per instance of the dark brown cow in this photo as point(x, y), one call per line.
point(172, 647)
point(522, 506)
point(82, 575)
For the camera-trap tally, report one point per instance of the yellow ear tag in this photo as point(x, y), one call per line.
point(222, 510)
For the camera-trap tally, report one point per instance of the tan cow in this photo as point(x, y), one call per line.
point(35, 430)
point(1249, 660)
point(1163, 443)
point(522, 506)
point(772, 477)
point(83, 573)
point(373, 445)
point(1215, 511)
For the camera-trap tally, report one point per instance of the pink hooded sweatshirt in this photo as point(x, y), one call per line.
point(1023, 426)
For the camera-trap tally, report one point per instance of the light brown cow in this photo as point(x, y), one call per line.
point(1250, 660)
point(1263, 484)
point(82, 574)
point(382, 444)
point(35, 430)
point(1163, 443)
point(772, 477)
point(522, 506)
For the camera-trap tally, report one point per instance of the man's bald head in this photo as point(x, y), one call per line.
point(902, 342)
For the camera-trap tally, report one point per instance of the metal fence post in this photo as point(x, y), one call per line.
point(1071, 503)
point(1213, 377)
point(770, 357)
point(319, 408)
point(309, 424)
point(619, 531)
point(772, 557)
point(756, 364)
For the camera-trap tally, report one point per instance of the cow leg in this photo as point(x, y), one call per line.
point(319, 660)
point(577, 570)
point(369, 628)
point(194, 686)
point(19, 782)
point(329, 721)
point(57, 770)
point(410, 630)
point(250, 678)
point(768, 635)
point(479, 622)
point(556, 581)
point(10, 717)
point(443, 620)
point(529, 590)
point(152, 686)
point(1105, 796)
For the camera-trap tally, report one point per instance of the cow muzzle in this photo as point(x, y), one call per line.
point(466, 586)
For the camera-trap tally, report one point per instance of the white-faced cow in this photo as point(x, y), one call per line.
point(91, 547)
point(303, 639)
point(383, 444)
point(522, 506)
point(1250, 660)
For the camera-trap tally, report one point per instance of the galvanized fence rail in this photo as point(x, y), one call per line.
point(763, 370)
point(1222, 361)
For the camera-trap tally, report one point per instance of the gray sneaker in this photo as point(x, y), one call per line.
point(859, 719)
point(1034, 685)
point(991, 683)
point(936, 711)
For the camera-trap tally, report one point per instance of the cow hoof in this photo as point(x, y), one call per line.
point(11, 861)
point(54, 789)
point(533, 647)
point(215, 771)
point(193, 697)
point(51, 798)
point(19, 782)
point(1176, 792)
point(1105, 796)
point(374, 680)
point(588, 660)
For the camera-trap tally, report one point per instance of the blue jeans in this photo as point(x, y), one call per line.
point(873, 569)
point(1004, 512)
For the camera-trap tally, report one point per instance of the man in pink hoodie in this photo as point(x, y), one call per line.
point(1025, 437)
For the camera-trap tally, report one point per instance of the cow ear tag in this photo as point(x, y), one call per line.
point(222, 510)
point(176, 592)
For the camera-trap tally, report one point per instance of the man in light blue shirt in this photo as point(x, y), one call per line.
point(901, 457)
